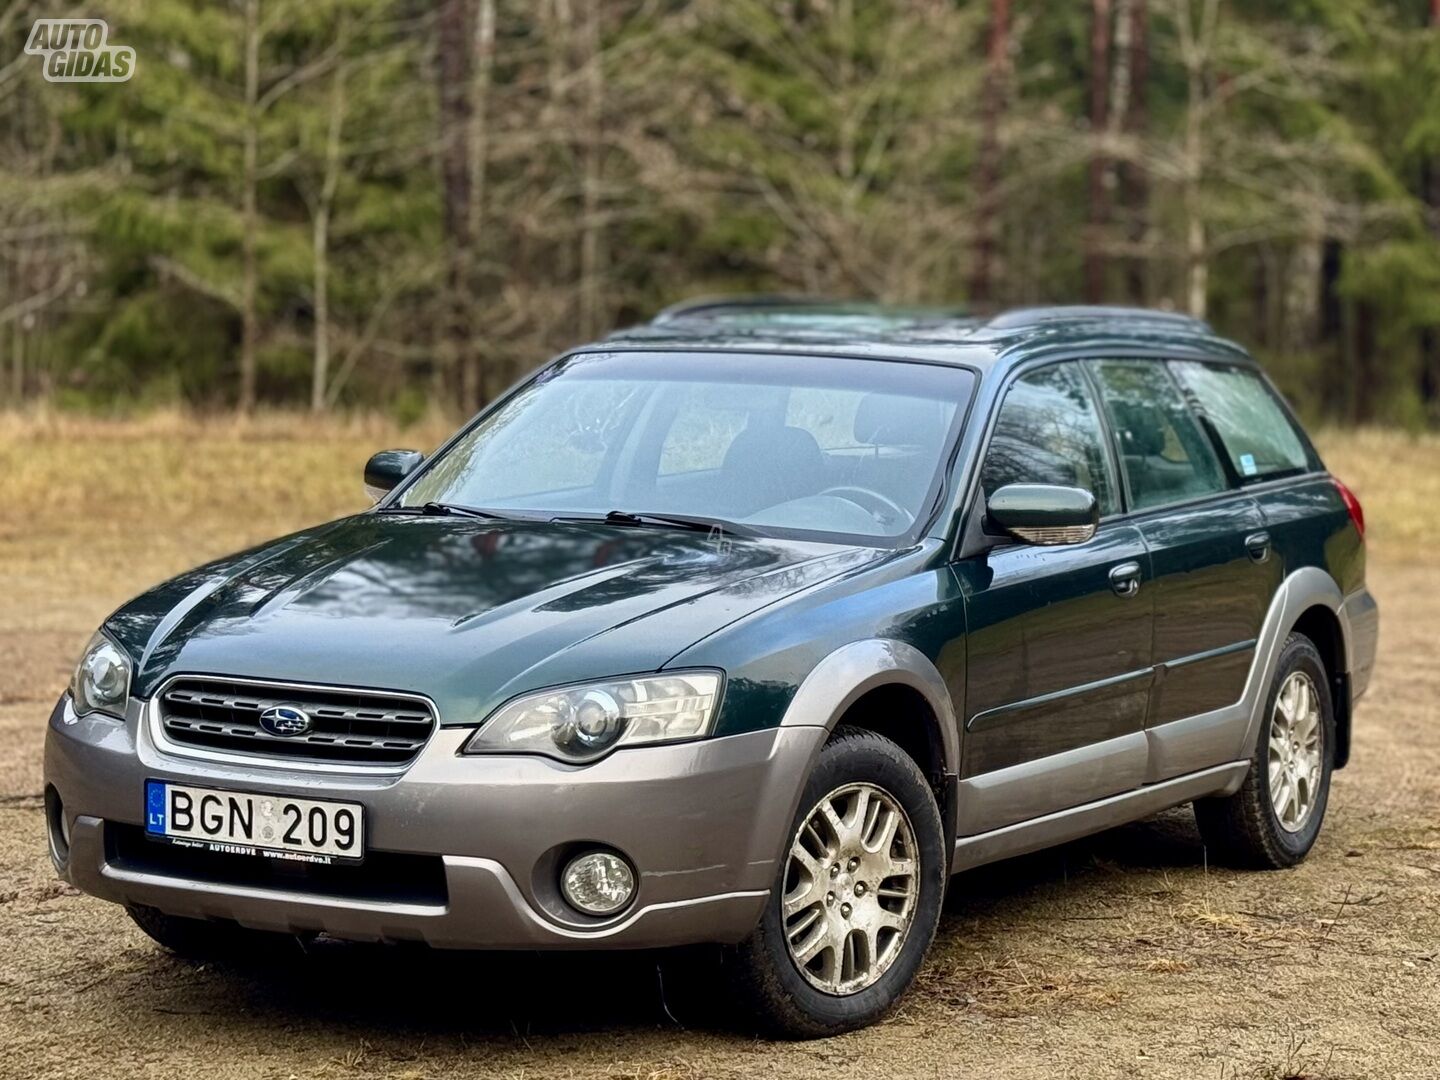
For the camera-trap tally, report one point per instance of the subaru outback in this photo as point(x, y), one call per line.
point(746, 627)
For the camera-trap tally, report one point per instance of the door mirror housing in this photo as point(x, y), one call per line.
point(1043, 513)
point(387, 468)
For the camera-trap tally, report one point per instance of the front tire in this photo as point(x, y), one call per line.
point(1273, 820)
point(857, 896)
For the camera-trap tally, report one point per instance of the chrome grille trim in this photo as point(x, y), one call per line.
point(356, 729)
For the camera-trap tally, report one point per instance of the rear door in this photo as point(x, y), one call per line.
point(1209, 551)
point(1058, 638)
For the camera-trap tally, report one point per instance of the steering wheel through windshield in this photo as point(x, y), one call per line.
point(884, 509)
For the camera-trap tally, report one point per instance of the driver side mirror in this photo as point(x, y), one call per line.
point(387, 468)
point(1044, 513)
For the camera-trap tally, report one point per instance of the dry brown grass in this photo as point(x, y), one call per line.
point(1397, 479)
point(272, 471)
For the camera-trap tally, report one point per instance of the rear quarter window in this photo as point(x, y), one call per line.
point(1258, 435)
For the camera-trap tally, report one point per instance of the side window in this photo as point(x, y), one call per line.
point(1048, 432)
point(1258, 437)
point(707, 420)
point(1166, 456)
point(827, 414)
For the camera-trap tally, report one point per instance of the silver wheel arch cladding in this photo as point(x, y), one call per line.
point(1191, 745)
point(853, 670)
point(1305, 588)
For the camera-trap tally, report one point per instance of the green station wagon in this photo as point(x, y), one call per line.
point(750, 626)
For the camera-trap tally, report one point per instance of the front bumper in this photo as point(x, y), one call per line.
point(704, 824)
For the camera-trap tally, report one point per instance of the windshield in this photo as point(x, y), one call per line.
point(776, 444)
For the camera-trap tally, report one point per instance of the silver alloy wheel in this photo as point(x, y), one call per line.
point(1294, 753)
point(851, 883)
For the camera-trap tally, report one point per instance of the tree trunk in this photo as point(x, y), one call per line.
point(1197, 40)
point(17, 353)
point(1429, 381)
point(1099, 125)
point(249, 182)
point(481, 86)
point(1362, 378)
point(988, 166)
point(1197, 267)
point(16, 374)
point(1260, 300)
point(557, 126)
point(1333, 330)
point(320, 243)
point(453, 67)
point(592, 230)
point(320, 252)
point(1134, 186)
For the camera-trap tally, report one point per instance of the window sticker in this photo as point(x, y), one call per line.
point(1247, 464)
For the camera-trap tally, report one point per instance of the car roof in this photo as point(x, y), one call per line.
point(938, 333)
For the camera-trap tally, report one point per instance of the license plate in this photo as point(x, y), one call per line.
point(246, 823)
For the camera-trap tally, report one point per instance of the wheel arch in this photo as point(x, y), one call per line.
point(1321, 624)
point(1309, 602)
point(891, 688)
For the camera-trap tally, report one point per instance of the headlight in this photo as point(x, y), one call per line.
point(582, 723)
point(101, 682)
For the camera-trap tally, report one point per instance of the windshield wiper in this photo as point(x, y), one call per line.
point(665, 521)
point(439, 509)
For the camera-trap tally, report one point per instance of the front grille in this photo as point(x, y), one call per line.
point(351, 727)
point(384, 876)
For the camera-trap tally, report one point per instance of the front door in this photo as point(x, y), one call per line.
point(1058, 639)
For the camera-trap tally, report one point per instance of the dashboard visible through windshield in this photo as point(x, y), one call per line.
point(772, 444)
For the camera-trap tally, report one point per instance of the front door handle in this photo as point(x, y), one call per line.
point(1257, 546)
point(1125, 579)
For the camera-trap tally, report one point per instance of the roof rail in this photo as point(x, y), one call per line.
point(1018, 318)
point(708, 305)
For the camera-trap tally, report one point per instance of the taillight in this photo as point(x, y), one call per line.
point(1352, 504)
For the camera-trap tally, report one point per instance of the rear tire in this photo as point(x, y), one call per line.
point(1273, 820)
point(869, 829)
point(209, 939)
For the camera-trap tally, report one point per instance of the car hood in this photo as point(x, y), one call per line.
point(468, 612)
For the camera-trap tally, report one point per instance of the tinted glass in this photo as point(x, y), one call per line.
point(1258, 436)
point(1166, 456)
point(791, 444)
point(1048, 432)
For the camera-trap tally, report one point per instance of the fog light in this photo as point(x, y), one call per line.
point(598, 882)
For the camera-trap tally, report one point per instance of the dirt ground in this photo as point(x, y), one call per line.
point(1118, 956)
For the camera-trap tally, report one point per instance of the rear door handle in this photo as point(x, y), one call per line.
point(1125, 579)
point(1257, 546)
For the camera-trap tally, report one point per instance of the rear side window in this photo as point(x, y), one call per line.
point(707, 421)
point(1166, 456)
point(1258, 436)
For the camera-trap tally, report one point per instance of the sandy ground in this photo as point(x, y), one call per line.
point(1118, 956)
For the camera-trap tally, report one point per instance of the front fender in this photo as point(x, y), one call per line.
point(852, 670)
